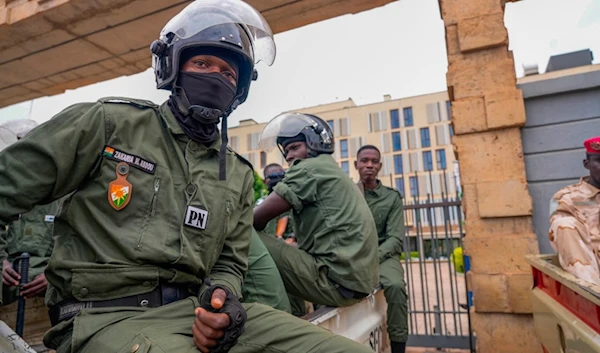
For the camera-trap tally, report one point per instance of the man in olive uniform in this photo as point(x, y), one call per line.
point(31, 233)
point(151, 247)
point(335, 262)
point(386, 205)
point(281, 226)
point(575, 220)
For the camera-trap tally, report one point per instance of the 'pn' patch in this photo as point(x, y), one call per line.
point(131, 159)
point(196, 217)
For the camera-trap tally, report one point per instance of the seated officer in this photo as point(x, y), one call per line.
point(281, 226)
point(151, 245)
point(386, 205)
point(575, 220)
point(336, 261)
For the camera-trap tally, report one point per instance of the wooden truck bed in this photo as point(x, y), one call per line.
point(566, 310)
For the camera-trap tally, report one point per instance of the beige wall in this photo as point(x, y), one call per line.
point(356, 126)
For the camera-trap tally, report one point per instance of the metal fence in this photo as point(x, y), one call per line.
point(438, 303)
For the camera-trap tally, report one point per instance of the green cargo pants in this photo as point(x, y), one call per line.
point(169, 329)
point(391, 276)
point(263, 283)
point(303, 276)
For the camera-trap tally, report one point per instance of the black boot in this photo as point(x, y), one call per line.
point(398, 347)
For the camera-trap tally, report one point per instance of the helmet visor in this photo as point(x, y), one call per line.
point(19, 127)
point(202, 14)
point(7, 138)
point(283, 125)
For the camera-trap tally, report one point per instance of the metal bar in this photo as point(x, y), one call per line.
point(432, 204)
point(434, 250)
point(447, 230)
point(24, 273)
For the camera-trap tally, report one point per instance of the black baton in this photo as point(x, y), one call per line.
point(24, 258)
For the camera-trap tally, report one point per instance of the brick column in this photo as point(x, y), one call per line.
point(487, 113)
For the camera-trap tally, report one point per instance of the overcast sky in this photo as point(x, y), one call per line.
point(397, 49)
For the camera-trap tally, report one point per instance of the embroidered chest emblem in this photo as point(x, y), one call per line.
point(119, 190)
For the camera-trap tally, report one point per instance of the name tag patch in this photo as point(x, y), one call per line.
point(49, 219)
point(132, 160)
point(196, 217)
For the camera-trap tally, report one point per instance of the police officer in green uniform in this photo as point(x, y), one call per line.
point(151, 246)
point(335, 262)
point(31, 233)
point(386, 205)
point(273, 174)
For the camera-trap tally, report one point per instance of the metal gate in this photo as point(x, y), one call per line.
point(438, 298)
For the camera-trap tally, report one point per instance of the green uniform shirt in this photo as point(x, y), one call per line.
point(386, 206)
point(332, 221)
point(179, 223)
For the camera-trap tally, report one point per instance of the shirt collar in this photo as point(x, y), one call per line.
point(175, 129)
point(377, 190)
point(590, 189)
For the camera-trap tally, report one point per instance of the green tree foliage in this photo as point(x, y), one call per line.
point(260, 188)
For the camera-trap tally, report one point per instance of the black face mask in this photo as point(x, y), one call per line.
point(198, 102)
point(210, 90)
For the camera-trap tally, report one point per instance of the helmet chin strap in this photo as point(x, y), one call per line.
point(206, 115)
point(202, 114)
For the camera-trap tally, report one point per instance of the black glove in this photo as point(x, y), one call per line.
point(237, 315)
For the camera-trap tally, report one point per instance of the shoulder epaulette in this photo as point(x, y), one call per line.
point(393, 190)
point(139, 103)
point(244, 160)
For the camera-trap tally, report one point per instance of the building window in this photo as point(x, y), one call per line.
point(377, 122)
point(398, 168)
point(394, 118)
point(263, 159)
point(233, 142)
point(396, 141)
point(448, 109)
point(451, 130)
point(425, 140)
point(427, 160)
point(344, 148)
point(440, 156)
point(331, 124)
point(346, 167)
point(400, 186)
point(414, 186)
point(253, 141)
point(408, 117)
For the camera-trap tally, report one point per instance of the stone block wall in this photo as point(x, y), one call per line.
point(487, 114)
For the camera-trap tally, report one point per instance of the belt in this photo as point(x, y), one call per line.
point(161, 295)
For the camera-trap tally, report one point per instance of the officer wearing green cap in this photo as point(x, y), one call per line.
point(151, 245)
point(335, 262)
point(386, 205)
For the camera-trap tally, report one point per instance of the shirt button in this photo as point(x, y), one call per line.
point(190, 188)
point(193, 145)
point(146, 284)
point(135, 348)
point(83, 292)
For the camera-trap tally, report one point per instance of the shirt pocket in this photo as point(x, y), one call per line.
point(206, 221)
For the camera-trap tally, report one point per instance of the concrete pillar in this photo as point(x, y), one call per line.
point(487, 114)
